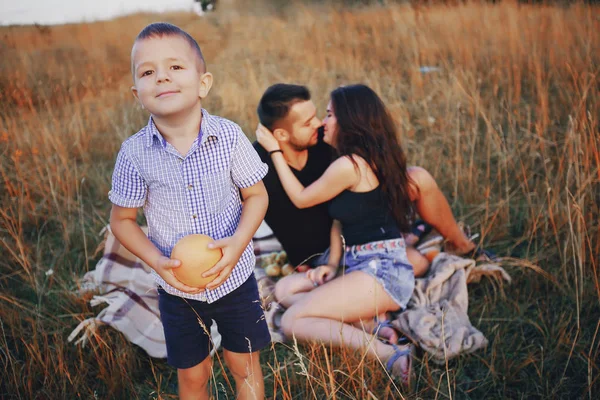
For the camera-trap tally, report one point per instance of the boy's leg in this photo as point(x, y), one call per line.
point(193, 382)
point(241, 322)
point(187, 335)
point(246, 371)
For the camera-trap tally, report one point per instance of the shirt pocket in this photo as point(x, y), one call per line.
point(216, 190)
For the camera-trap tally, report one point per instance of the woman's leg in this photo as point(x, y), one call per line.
point(291, 288)
point(327, 312)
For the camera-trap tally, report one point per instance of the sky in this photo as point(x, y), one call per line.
point(47, 12)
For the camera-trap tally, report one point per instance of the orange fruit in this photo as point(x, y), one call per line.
point(196, 258)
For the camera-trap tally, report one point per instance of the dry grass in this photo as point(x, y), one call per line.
point(509, 128)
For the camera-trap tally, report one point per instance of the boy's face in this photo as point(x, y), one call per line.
point(167, 76)
point(302, 125)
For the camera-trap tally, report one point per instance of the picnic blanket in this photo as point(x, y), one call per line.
point(436, 316)
point(124, 282)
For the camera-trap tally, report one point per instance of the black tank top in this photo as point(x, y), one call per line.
point(364, 216)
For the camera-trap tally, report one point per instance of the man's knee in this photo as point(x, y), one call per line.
point(195, 378)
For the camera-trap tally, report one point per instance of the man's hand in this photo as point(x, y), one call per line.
point(164, 267)
point(321, 274)
point(232, 250)
point(266, 139)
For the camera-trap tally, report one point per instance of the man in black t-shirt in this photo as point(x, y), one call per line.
point(288, 112)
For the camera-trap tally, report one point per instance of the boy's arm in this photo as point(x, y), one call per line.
point(125, 228)
point(254, 209)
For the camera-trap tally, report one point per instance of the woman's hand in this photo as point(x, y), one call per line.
point(321, 274)
point(266, 139)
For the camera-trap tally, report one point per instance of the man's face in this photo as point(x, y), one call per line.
point(303, 125)
point(167, 80)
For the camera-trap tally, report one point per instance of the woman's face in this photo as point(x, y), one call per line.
point(330, 126)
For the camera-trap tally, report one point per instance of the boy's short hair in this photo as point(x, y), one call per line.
point(277, 100)
point(160, 29)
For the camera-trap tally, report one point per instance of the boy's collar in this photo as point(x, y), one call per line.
point(209, 127)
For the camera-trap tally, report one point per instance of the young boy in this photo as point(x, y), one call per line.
point(187, 169)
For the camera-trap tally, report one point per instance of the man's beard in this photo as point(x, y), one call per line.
point(297, 146)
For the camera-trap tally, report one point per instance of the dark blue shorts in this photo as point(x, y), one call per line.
point(239, 316)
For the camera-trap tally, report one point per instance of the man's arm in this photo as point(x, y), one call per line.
point(125, 228)
point(433, 207)
point(254, 209)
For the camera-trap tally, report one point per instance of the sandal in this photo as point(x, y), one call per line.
point(404, 373)
point(385, 324)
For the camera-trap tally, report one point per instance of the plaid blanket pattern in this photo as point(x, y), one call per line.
point(124, 283)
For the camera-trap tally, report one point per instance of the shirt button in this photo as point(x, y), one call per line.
point(190, 186)
point(194, 216)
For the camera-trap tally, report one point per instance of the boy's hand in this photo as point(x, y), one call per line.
point(164, 267)
point(321, 274)
point(232, 251)
point(266, 139)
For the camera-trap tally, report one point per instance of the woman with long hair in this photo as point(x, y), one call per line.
point(373, 198)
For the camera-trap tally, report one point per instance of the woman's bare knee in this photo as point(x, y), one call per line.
point(281, 289)
point(291, 285)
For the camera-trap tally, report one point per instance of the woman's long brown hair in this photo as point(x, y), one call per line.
point(365, 128)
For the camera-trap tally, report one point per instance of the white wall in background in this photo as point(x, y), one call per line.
point(64, 11)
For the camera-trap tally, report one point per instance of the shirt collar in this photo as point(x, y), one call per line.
point(209, 127)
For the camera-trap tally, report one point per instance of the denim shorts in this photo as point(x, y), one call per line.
point(239, 316)
point(387, 262)
point(316, 260)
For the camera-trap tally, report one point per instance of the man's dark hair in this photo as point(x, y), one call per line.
point(277, 100)
point(160, 29)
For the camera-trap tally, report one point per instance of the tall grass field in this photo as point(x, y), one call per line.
point(507, 122)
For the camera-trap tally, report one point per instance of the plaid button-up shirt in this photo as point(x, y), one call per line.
point(195, 193)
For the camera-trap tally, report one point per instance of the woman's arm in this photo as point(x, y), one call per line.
point(325, 273)
point(340, 175)
point(335, 244)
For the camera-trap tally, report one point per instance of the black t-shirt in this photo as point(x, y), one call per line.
point(302, 232)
